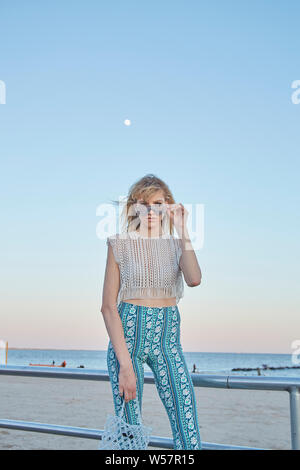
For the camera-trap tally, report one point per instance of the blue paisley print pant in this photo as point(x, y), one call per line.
point(152, 336)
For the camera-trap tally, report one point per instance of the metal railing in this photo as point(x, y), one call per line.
point(289, 384)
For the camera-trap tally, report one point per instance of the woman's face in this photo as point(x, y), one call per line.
point(152, 211)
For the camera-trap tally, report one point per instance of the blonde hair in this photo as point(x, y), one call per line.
point(144, 188)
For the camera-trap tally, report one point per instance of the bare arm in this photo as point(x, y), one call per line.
point(188, 262)
point(109, 310)
point(113, 323)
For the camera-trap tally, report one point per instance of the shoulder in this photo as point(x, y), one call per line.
point(117, 239)
point(112, 238)
point(176, 240)
point(124, 236)
point(114, 242)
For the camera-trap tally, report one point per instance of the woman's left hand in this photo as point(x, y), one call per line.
point(178, 214)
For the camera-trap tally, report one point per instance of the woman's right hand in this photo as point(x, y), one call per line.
point(127, 382)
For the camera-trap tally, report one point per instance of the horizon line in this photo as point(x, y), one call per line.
point(105, 350)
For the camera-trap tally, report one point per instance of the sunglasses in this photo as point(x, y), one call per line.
point(143, 209)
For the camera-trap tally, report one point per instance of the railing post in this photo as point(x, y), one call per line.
point(295, 417)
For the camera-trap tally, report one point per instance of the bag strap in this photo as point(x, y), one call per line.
point(123, 409)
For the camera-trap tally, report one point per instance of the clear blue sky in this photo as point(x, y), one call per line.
point(207, 86)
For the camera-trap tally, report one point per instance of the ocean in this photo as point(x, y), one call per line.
point(206, 362)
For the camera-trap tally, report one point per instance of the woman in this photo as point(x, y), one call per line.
point(143, 284)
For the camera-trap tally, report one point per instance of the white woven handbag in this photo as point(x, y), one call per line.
point(120, 435)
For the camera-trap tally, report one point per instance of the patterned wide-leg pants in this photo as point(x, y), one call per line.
point(152, 336)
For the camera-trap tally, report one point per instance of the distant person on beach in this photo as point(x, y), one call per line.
point(53, 362)
point(143, 284)
point(63, 364)
point(194, 368)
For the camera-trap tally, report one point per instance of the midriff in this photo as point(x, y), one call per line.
point(153, 302)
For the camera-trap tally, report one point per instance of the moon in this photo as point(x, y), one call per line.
point(127, 122)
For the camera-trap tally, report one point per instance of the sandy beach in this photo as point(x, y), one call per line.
point(240, 417)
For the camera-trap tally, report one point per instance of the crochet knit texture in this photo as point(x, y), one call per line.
point(149, 267)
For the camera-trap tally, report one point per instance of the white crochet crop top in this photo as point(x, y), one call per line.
point(149, 267)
